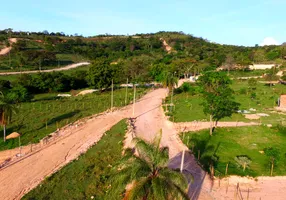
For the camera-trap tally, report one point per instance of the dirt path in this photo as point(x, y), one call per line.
point(19, 178)
point(167, 47)
point(68, 67)
point(203, 187)
point(6, 50)
point(26, 174)
point(197, 125)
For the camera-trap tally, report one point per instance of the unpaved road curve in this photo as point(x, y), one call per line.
point(6, 50)
point(26, 174)
point(19, 178)
point(68, 67)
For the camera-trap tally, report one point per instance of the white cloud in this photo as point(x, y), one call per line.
point(269, 41)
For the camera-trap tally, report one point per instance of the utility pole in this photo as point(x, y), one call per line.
point(172, 98)
point(111, 94)
point(20, 144)
point(134, 99)
point(126, 92)
point(182, 161)
point(10, 59)
point(40, 65)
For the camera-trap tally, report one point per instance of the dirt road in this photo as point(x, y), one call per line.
point(72, 66)
point(26, 174)
point(197, 125)
point(6, 50)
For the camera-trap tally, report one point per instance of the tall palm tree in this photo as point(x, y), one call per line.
point(6, 111)
point(170, 80)
point(146, 175)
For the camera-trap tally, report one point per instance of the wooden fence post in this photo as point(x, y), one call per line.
point(226, 169)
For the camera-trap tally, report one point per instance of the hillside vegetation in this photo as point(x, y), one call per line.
point(44, 50)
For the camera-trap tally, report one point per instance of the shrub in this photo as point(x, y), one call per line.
point(253, 95)
point(18, 94)
point(273, 153)
point(242, 161)
point(186, 87)
point(242, 91)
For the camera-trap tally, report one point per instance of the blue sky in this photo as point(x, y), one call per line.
point(239, 22)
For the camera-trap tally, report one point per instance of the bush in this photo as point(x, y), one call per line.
point(283, 78)
point(282, 129)
point(18, 94)
point(242, 161)
point(242, 91)
point(273, 153)
point(253, 95)
point(186, 87)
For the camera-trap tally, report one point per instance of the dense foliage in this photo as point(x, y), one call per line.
point(139, 52)
point(218, 96)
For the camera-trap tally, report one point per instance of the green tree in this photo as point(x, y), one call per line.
point(218, 96)
point(6, 111)
point(100, 74)
point(229, 63)
point(18, 94)
point(252, 83)
point(147, 176)
point(169, 80)
point(271, 75)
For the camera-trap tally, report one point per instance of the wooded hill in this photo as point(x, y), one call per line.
point(140, 58)
point(54, 49)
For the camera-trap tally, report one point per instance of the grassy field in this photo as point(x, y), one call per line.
point(227, 143)
point(87, 176)
point(46, 113)
point(189, 108)
point(236, 73)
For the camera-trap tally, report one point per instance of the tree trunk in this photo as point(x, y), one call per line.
point(211, 125)
point(4, 130)
point(215, 125)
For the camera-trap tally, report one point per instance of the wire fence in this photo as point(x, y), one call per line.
point(35, 120)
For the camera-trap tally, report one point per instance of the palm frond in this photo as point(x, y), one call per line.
point(139, 189)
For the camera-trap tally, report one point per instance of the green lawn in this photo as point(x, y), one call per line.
point(47, 109)
point(236, 73)
point(227, 143)
point(188, 108)
point(88, 175)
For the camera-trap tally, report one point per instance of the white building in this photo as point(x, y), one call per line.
point(261, 66)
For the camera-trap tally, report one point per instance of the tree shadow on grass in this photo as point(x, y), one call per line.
point(60, 118)
point(49, 98)
point(64, 116)
point(190, 167)
point(206, 153)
